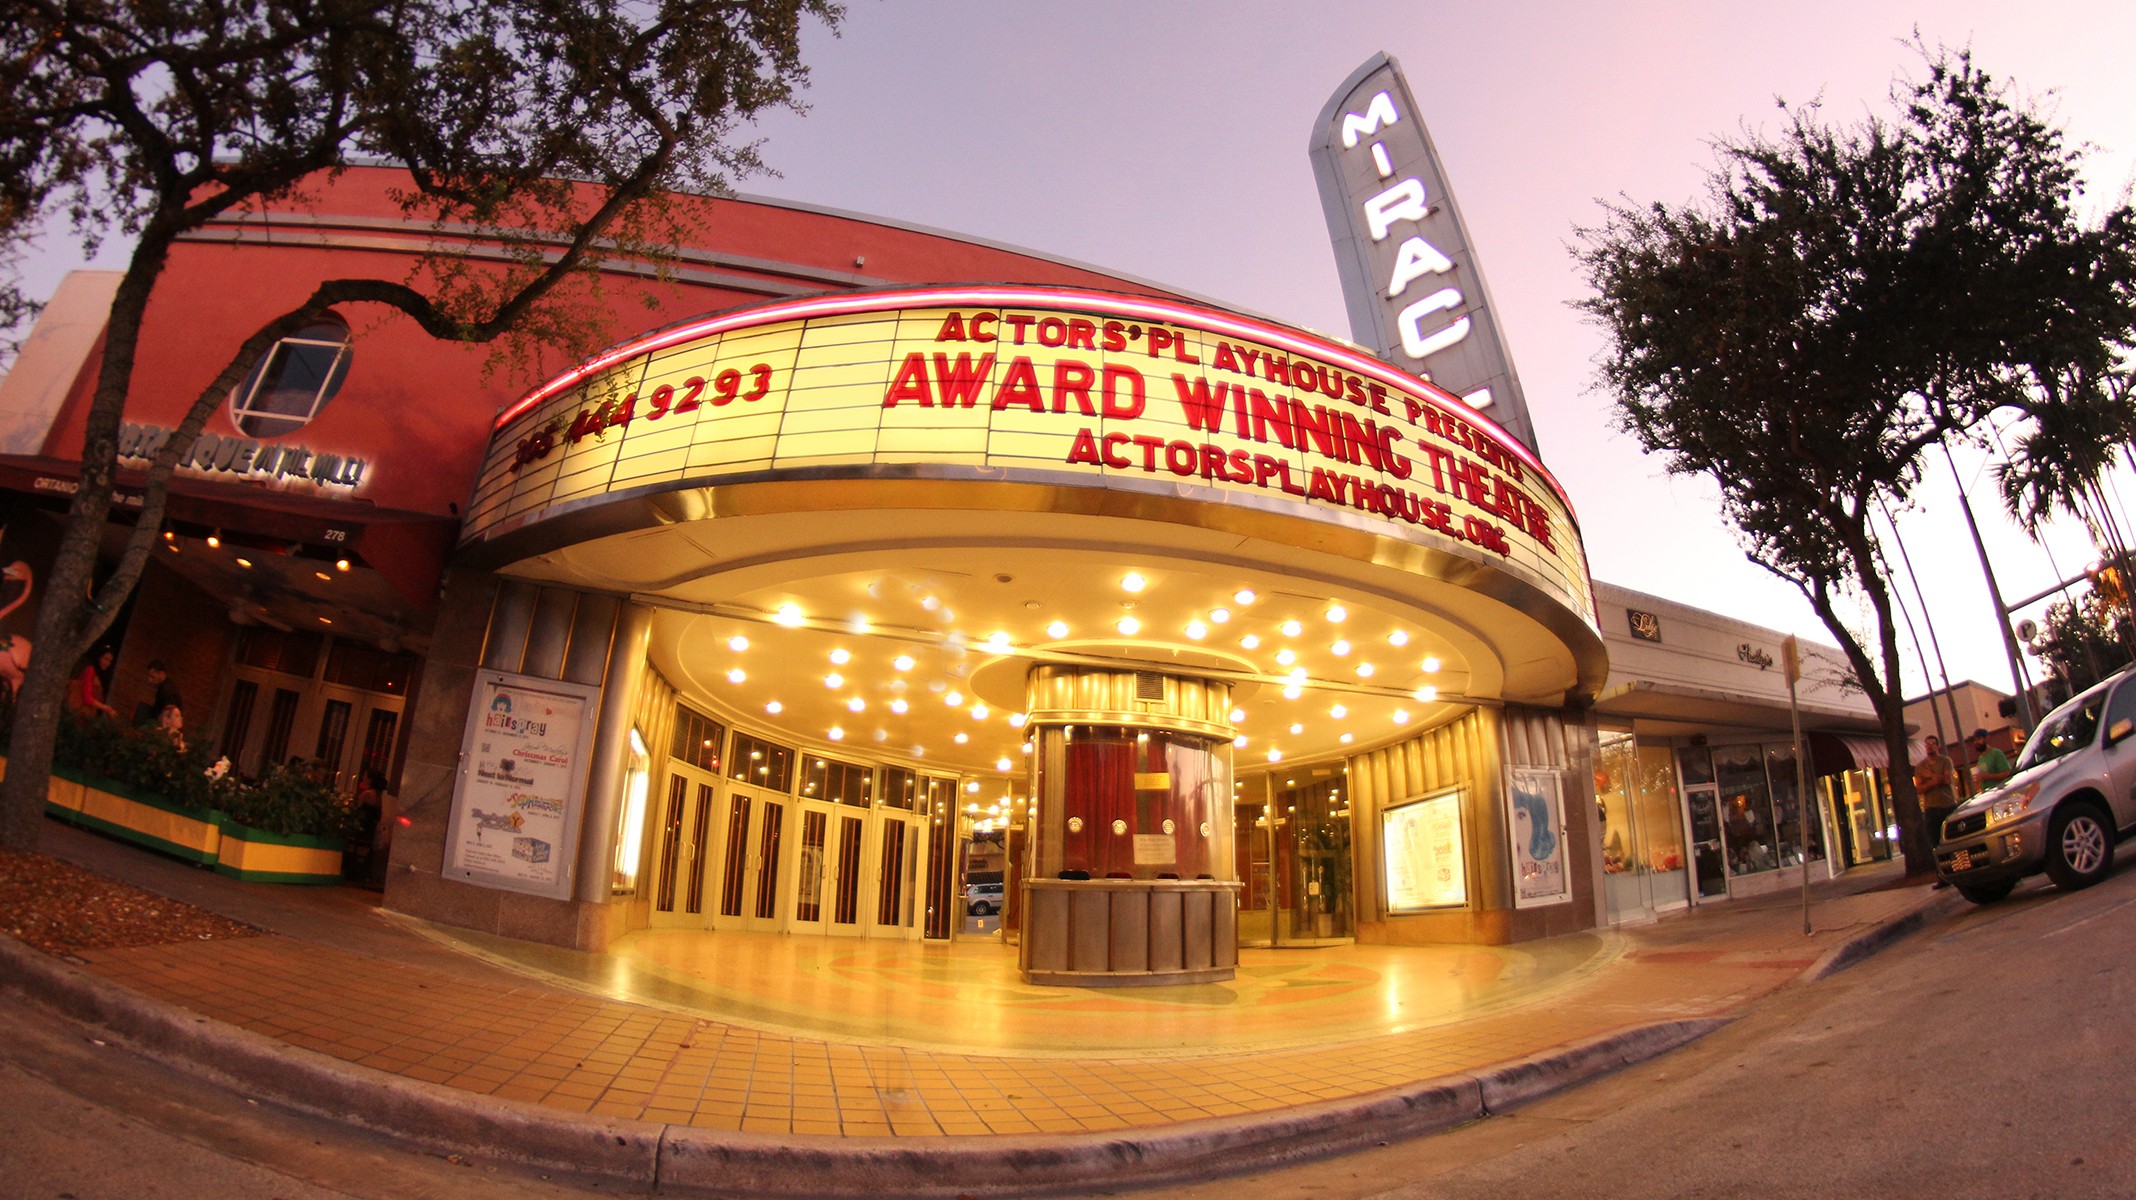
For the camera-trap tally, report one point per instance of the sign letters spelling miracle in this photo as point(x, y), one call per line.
point(1039, 384)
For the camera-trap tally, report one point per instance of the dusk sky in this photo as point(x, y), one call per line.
point(1169, 141)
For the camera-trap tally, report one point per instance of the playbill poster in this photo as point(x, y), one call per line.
point(515, 819)
point(1535, 824)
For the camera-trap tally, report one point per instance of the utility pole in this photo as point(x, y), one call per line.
point(2002, 613)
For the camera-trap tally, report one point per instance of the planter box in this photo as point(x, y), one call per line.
point(193, 834)
point(258, 856)
point(196, 835)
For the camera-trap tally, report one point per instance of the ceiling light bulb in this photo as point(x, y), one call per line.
point(1244, 596)
point(1431, 665)
point(856, 704)
point(1003, 764)
point(1059, 629)
point(1286, 657)
point(737, 643)
point(1339, 711)
point(1292, 628)
point(1348, 738)
point(1297, 675)
point(899, 705)
point(736, 675)
point(902, 662)
point(1197, 630)
point(1132, 582)
point(1297, 729)
point(1401, 716)
point(1016, 720)
point(963, 738)
point(1250, 641)
point(1239, 741)
point(341, 564)
point(1275, 756)
point(1426, 694)
point(1398, 638)
point(834, 680)
point(1364, 670)
point(1293, 692)
point(774, 707)
point(1130, 626)
point(1219, 615)
point(837, 734)
point(998, 640)
point(1340, 648)
point(978, 712)
point(789, 615)
point(954, 699)
point(1237, 715)
point(841, 656)
point(214, 541)
point(1337, 613)
point(244, 562)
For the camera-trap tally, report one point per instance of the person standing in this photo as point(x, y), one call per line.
point(1936, 782)
point(1991, 767)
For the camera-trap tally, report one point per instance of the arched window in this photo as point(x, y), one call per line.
point(293, 382)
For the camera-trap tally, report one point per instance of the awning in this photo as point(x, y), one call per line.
point(408, 549)
point(1832, 753)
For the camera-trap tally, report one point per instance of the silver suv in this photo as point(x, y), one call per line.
point(2073, 795)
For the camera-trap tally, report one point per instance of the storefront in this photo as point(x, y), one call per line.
point(1697, 783)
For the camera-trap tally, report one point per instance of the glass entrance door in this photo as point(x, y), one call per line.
point(754, 834)
point(827, 869)
point(688, 808)
point(1295, 860)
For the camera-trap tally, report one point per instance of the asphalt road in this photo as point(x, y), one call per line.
point(1986, 1056)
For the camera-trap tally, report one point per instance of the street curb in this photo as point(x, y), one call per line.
point(685, 1158)
point(1873, 940)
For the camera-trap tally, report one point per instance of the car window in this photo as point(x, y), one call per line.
point(2123, 706)
point(2064, 732)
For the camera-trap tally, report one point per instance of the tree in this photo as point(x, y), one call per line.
point(550, 130)
point(2084, 640)
point(1847, 299)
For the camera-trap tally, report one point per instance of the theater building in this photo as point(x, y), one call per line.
point(878, 533)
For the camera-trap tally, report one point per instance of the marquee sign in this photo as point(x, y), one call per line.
point(1409, 275)
point(1041, 385)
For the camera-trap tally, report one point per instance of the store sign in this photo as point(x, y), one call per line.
point(1420, 851)
point(1645, 625)
point(214, 456)
point(1036, 385)
point(516, 812)
point(1409, 274)
point(1535, 827)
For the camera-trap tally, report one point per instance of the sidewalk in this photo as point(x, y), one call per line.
point(760, 1064)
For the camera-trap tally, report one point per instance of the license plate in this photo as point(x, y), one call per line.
point(1962, 861)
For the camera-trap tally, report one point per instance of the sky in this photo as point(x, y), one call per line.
point(1168, 141)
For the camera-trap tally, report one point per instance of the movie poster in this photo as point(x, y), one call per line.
point(1535, 823)
point(522, 783)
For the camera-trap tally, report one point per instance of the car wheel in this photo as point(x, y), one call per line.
point(982, 909)
point(1986, 893)
point(2080, 847)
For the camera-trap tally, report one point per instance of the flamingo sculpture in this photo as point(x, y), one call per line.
point(15, 652)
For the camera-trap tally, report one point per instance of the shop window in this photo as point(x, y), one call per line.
point(1796, 839)
point(1642, 832)
point(294, 381)
point(630, 818)
point(1746, 809)
point(765, 764)
point(697, 739)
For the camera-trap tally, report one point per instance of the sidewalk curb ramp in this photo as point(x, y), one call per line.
point(690, 1159)
point(1877, 937)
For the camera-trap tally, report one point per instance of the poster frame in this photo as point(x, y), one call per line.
point(574, 799)
point(1455, 797)
point(1547, 783)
